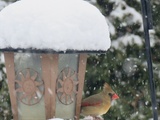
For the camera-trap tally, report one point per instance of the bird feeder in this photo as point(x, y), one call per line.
point(45, 45)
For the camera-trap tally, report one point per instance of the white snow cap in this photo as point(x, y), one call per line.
point(56, 119)
point(59, 25)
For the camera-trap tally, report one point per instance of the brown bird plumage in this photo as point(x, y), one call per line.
point(98, 104)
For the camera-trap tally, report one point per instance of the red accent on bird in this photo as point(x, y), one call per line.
point(115, 96)
point(84, 104)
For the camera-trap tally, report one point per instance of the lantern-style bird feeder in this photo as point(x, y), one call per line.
point(45, 45)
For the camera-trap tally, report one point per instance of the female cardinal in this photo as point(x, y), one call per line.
point(98, 104)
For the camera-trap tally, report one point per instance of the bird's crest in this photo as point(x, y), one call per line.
point(108, 90)
point(106, 86)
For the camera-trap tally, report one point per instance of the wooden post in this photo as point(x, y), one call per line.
point(49, 75)
point(54, 74)
point(9, 63)
point(81, 77)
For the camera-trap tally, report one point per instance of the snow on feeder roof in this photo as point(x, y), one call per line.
point(55, 25)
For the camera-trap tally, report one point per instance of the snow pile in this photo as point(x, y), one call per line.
point(123, 9)
point(88, 118)
point(127, 39)
point(56, 119)
point(59, 25)
point(2, 4)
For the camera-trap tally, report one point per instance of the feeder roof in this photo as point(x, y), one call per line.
point(54, 25)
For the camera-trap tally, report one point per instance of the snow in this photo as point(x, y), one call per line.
point(58, 25)
point(56, 119)
point(111, 27)
point(91, 118)
point(86, 118)
point(0, 76)
point(2, 4)
point(153, 119)
point(122, 9)
point(127, 39)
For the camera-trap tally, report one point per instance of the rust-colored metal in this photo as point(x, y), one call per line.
point(9, 63)
point(28, 88)
point(49, 74)
point(66, 86)
point(81, 77)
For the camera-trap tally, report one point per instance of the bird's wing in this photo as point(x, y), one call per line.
point(94, 100)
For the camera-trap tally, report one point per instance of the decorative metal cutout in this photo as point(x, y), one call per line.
point(67, 85)
point(29, 87)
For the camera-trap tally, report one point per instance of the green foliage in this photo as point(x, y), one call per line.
point(125, 68)
point(5, 106)
point(132, 87)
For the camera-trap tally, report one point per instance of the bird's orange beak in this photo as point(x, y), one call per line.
point(115, 96)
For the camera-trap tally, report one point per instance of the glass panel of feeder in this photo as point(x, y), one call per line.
point(29, 86)
point(66, 86)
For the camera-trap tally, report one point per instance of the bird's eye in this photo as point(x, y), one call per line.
point(110, 94)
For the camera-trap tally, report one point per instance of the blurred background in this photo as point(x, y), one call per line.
point(124, 66)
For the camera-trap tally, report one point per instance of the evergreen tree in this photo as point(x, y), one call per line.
point(5, 106)
point(124, 65)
